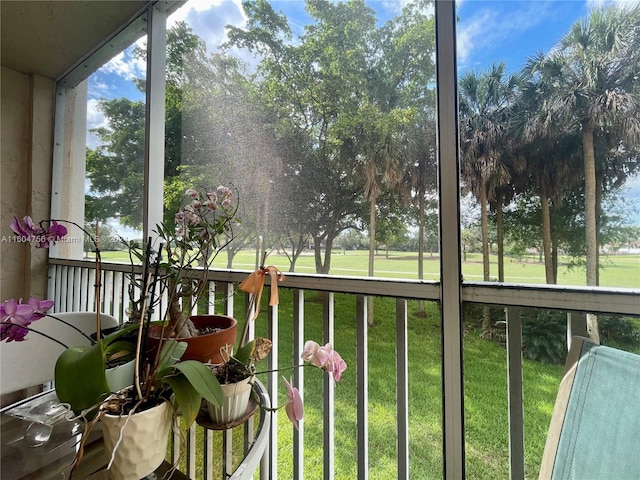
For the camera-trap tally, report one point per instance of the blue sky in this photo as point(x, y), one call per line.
point(488, 31)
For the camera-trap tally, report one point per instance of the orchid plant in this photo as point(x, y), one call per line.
point(203, 228)
point(315, 355)
point(80, 370)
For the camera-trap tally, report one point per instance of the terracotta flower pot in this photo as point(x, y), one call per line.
point(207, 347)
point(144, 441)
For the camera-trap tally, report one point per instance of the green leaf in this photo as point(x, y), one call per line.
point(187, 398)
point(80, 376)
point(171, 353)
point(118, 333)
point(244, 353)
point(203, 380)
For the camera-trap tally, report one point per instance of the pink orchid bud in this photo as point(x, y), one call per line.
point(294, 406)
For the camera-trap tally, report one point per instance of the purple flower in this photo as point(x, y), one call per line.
point(14, 315)
point(294, 406)
point(57, 231)
point(30, 231)
point(40, 307)
point(192, 193)
point(26, 229)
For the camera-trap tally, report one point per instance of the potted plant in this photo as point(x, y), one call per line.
point(237, 373)
point(162, 383)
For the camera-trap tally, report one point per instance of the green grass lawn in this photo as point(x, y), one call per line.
point(616, 270)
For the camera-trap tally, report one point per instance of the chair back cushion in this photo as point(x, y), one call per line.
point(595, 428)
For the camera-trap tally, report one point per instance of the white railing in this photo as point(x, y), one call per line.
point(71, 284)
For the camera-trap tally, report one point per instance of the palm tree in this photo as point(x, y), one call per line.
point(484, 103)
point(591, 80)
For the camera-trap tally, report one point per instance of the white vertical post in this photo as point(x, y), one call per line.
point(68, 173)
point(152, 204)
point(402, 388)
point(298, 379)
point(450, 265)
point(362, 386)
point(328, 417)
point(516, 393)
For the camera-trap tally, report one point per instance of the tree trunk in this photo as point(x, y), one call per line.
point(590, 212)
point(421, 306)
point(590, 204)
point(500, 228)
point(372, 247)
point(546, 239)
point(485, 234)
point(598, 223)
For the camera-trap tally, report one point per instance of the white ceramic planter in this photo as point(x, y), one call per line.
point(144, 441)
point(235, 404)
point(121, 376)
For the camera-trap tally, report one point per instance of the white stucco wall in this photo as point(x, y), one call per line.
point(26, 140)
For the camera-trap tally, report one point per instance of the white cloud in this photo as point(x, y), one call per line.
point(125, 65)
point(95, 119)
point(600, 3)
point(494, 25)
point(208, 19)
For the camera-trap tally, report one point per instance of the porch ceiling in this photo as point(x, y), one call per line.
point(49, 37)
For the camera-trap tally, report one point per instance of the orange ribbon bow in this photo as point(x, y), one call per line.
point(254, 284)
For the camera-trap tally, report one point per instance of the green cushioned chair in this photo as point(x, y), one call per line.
point(595, 427)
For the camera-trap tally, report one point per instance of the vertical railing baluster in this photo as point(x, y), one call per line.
point(175, 441)
point(298, 379)
point(402, 388)
point(77, 285)
point(91, 292)
point(51, 283)
point(328, 390)
point(227, 452)
point(272, 388)
point(60, 289)
point(208, 454)
point(64, 278)
point(227, 436)
point(191, 451)
point(107, 291)
point(515, 392)
point(84, 289)
point(117, 295)
point(362, 388)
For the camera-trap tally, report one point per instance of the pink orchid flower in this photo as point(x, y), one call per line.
point(30, 231)
point(14, 315)
point(27, 228)
point(314, 354)
point(336, 365)
point(324, 357)
point(40, 307)
point(294, 406)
